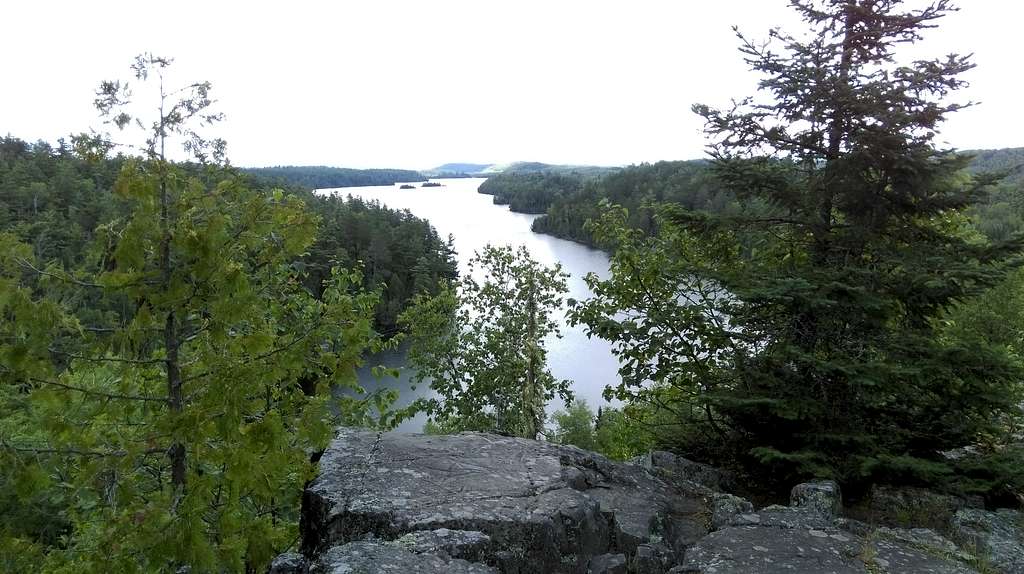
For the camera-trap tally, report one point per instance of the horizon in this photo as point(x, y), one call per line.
point(408, 85)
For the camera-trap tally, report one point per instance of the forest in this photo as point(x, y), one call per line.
point(567, 201)
point(54, 199)
point(529, 192)
point(840, 298)
point(258, 294)
point(323, 177)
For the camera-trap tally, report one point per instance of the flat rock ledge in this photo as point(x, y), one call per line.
point(481, 503)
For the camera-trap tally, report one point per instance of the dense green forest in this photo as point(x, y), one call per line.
point(323, 177)
point(530, 192)
point(692, 185)
point(55, 200)
point(400, 254)
point(177, 338)
point(1008, 162)
point(532, 187)
point(686, 183)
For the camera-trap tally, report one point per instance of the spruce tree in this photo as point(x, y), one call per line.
point(811, 342)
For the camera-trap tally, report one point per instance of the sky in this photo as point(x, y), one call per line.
point(414, 84)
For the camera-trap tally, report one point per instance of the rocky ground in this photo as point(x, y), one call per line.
point(481, 503)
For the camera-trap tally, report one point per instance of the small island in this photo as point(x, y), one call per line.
point(407, 186)
point(430, 184)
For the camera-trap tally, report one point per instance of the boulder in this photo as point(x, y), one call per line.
point(758, 549)
point(804, 539)
point(530, 506)
point(997, 538)
point(821, 497)
point(911, 507)
point(465, 544)
point(727, 509)
point(607, 564)
point(651, 559)
point(792, 517)
point(288, 563)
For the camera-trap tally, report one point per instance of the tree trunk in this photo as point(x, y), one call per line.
point(530, 390)
point(171, 343)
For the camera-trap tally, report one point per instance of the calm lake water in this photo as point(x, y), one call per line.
point(457, 209)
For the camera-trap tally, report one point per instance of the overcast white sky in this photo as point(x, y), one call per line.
point(414, 84)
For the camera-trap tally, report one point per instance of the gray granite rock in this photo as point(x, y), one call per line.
point(729, 510)
point(924, 539)
point(917, 550)
point(702, 474)
point(542, 507)
point(792, 517)
point(288, 563)
point(468, 545)
point(652, 558)
point(382, 558)
point(759, 550)
point(911, 507)
point(473, 503)
point(996, 537)
point(821, 496)
point(607, 564)
point(763, 549)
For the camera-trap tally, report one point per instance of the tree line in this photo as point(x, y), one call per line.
point(323, 177)
point(55, 199)
point(567, 200)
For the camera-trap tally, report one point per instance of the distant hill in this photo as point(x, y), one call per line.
point(538, 167)
point(489, 169)
point(994, 160)
point(458, 168)
point(320, 177)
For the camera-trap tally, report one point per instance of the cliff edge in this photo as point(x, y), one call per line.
point(481, 503)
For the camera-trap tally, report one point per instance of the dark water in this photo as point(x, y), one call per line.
point(474, 221)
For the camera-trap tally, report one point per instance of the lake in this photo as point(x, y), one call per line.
point(473, 220)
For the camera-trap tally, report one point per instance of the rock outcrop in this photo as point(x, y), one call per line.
point(997, 538)
point(476, 503)
point(524, 506)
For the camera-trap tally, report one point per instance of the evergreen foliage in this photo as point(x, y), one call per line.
point(530, 192)
point(400, 255)
point(686, 183)
point(163, 387)
point(54, 199)
point(808, 338)
point(323, 177)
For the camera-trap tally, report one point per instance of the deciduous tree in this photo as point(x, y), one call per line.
point(481, 344)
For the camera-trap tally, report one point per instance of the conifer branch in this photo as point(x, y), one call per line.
point(93, 392)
